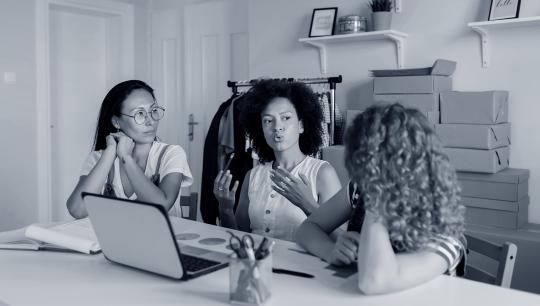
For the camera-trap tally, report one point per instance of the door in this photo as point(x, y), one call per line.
point(216, 50)
point(85, 62)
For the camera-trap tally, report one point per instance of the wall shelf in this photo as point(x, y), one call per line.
point(321, 42)
point(484, 27)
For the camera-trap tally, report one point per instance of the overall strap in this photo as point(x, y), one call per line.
point(109, 190)
point(155, 177)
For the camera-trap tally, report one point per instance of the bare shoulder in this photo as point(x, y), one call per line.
point(327, 173)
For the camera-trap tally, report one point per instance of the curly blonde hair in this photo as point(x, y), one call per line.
point(403, 177)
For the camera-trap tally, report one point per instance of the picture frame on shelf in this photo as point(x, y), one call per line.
point(323, 22)
point(504, 9)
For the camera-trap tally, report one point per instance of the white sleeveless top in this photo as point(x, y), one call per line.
point(270, 213)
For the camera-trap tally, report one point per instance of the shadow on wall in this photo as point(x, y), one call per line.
point(360, 96)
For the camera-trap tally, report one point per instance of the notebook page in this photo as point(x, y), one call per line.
point(76, 235)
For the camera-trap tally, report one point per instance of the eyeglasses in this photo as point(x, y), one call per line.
point(156, 113)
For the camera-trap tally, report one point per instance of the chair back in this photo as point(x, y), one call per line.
point(489, 262)
point(189, 202)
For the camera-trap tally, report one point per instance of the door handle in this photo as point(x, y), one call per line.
point(191, 129)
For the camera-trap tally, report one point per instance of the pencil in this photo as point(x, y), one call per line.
point(228, 162)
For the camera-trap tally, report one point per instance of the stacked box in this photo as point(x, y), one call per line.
point(499, 200)
point(474, 130)
point(416, 91)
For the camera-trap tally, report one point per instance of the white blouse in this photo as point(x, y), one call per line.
point(174, 160)
point(270, 213)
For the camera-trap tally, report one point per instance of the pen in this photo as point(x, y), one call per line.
point(228, 162)
point(290, 272)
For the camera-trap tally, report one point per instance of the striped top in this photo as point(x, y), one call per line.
point(451, 249)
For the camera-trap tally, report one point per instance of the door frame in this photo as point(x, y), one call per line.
point(43, 9)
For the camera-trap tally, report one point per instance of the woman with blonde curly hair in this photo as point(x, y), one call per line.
point(402, 203)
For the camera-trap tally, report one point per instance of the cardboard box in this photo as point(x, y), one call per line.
point(487, 107)
point(473, 160)
point(422, 102)
point(412, 84)
point(474, 136)
point(335, 155)
point(496, 213)
point(440, 67)
point(507, 185)
point(433, 117)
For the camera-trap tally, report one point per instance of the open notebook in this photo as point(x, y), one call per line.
point(75, 235)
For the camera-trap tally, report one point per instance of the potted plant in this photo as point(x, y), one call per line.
point(381, 15)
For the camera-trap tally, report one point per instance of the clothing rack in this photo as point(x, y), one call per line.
point(332, 81)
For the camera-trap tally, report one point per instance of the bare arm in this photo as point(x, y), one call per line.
point(93, 182)
point(165, 194)
point(314, 233)
point(328, 183)
point(380, 270)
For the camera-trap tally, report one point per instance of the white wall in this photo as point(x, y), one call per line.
point(437, 29)
point(18, 193)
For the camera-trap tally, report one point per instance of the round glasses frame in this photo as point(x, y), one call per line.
point(156, 113)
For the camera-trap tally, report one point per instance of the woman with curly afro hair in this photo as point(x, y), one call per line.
point(283, 120)
point(402, 203)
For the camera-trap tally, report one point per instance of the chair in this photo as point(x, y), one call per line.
point(484, 255)
point(189, 201)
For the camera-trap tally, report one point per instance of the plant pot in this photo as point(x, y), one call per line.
point(381, 20)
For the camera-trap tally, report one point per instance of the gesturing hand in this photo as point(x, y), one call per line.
point(345, 250)
point(296, 190)
point(222, 190)
point(124, 145)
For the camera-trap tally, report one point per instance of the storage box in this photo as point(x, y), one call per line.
point(474, 136)
point(440, 67)
point(487, 107)
point(412, 84)
point(433, 117)
point(507, 185)
point(422, 102)
point(473, 160)
point(496, 213)
point(335, 155)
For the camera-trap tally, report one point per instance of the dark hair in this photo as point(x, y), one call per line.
point(305, 103)
point(403, 175)
point(111, 106)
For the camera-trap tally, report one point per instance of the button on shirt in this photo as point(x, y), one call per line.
point(270, 213)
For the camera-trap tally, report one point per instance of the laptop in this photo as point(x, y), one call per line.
point(140, 235)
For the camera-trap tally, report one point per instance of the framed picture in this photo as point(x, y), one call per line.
point(323, 21)
point(504, 9)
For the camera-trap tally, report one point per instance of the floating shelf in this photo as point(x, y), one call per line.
point(321, 42)
point(483, 28)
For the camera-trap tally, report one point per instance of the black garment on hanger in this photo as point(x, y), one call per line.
point(240, 164)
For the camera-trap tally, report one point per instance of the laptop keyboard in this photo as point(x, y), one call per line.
point(194, 264)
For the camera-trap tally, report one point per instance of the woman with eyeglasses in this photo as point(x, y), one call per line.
point(128, 161)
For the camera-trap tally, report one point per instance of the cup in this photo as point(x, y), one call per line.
point(250, 282)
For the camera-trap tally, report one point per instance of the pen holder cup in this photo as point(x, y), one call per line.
point(250, 282)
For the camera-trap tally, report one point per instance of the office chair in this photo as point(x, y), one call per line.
point(189, 201)
point(484, 255)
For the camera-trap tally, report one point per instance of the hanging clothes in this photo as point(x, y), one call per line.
point(213, 153)
point(339, 126)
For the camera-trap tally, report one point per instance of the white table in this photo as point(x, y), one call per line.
point(56, 278)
